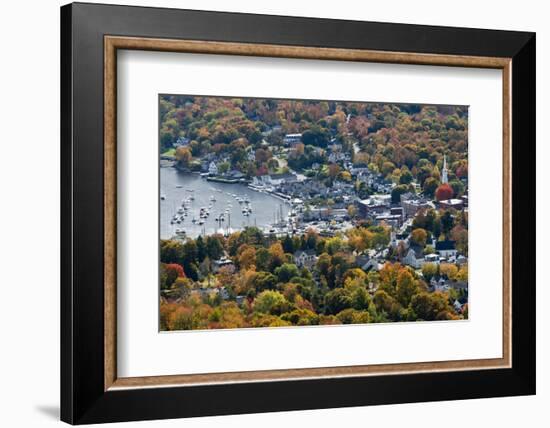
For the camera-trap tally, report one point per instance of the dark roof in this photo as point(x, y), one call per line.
point(306, 252)
point(459, 285)
point(418, 251)
point(361, 260)
point(284, 176)
point(444, 245)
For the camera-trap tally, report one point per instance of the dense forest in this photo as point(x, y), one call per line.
point(274, 291)
point(401, 141)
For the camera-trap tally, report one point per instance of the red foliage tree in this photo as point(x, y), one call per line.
point(175, 270)
point(462, 171)
point(444, 192)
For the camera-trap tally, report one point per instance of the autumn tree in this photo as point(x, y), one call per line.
point(286, 272)
point(458, 187)
point(264, 281)
point(429, 270)
point(333, 170)
point(334, 244)
point(262, 259)
point(183, 286)
point(183, 156)
point(406, 287)
point(430, 186)
point(444, 192)
point(271, 302)
point(406, 177)
point(171, 251)
point(419, 237)
point(353, 316)
point(276, 256)
point(247, 257)
point(345, 176)
point(430, 306)
point(448, 270)
point(459, 234)
point(360, 238)
point(359, 296)
point(337, 300)
point(301, 317)
point(385, 303)
point(169, 273)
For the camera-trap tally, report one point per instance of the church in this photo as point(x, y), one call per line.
point(444, 171)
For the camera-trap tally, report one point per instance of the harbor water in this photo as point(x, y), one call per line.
point(221, 200)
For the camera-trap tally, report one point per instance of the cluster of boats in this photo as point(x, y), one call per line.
point(182, 212)
point(204, 212)
point(246, 206)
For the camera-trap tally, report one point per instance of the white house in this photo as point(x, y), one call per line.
point(305, 258)
point(181, 142)
point(275, 179)
point(292, 138)
point(431, 258)
point(367, 263)
point(439, 285)
point(456, 204)
point(223, 262)
point(212, 169)
point(446, 249)
point(414, 257)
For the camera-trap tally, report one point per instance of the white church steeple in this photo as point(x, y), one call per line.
point(444, 178)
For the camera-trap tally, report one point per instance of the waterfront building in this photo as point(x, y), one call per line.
point(212, 168)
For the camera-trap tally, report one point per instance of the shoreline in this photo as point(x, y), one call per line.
point(268, 227)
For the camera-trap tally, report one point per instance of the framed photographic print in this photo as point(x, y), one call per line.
point(266, 213)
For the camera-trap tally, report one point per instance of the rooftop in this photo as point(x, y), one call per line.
point(444, 245)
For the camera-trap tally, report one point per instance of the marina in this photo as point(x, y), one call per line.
point(190, 206)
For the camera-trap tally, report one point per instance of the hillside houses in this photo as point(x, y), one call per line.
point(446, 249)
point(457, 204)
point(414, 257)
point(305, 259)
point(412, 203)
point(305, 188)
point(289, 139)
point(181, 142)
point(368, 263)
